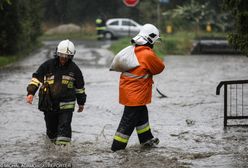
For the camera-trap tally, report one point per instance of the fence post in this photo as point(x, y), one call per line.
point(225, 105)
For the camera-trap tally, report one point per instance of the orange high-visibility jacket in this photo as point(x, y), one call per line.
point(135, 87)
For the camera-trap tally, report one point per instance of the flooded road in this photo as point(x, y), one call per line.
point(189, 123)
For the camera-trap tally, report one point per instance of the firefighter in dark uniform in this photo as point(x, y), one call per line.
point(65, 84)
point(100, 28)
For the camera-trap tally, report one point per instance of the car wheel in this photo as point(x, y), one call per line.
point(108, 36)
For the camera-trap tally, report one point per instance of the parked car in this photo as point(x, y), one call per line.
point(120, 27)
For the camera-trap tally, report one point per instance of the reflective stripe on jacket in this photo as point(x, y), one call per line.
point(66, 83)
point(100, 25)
point(67, 105)
point(135, 87)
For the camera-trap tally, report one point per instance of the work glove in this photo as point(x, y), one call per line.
point(80, 108)
point(29, 99)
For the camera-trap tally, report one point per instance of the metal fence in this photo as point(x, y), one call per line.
point(235, 102)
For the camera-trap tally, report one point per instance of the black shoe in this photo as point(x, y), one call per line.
point(151, 143)
point(118, 146)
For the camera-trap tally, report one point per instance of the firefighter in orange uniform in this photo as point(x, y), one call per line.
point(135, 91)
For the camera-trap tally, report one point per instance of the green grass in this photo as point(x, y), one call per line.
point(120, 44)
point(179, 43)
point(176, 44)
point(4, 60)
point(8, 59)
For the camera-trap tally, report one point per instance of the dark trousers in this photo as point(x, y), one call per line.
point(133, 116)
point(58, 125)
point(100, 34)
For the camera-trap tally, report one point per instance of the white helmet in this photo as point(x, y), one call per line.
point(148, 33)
point(66, 48)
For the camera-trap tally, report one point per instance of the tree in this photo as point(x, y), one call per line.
point(2, 2)
point(239, 37)
point(194, 12)
point(9, 28)
point(78, 11)
point(148, 11)
point(20, 25)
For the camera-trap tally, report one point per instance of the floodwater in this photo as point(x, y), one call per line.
point(189, 122)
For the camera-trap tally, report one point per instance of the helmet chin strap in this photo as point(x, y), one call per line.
point(69, 51)
point(149, 45)
point(149, 39)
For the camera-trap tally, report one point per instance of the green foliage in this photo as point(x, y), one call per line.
point(239, 41)
point(196, 15)
point(4, 60)
point(82, 11)
point(179, 43)
point(148, 11)
point(116, 46)
point(9, 29)
point(194, 12)
point(176, 44)
point(79, 11)
point(21, 25)
point(3, 2)
point(239, 37)
point(8, 59)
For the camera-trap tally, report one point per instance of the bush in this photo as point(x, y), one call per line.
point(20, 25)
point(176, 44)
point(239, 37)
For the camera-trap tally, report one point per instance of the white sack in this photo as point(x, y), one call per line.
point(125, 60)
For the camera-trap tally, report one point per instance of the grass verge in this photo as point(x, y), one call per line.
point(4, 60)
point(8, 59)
point(179, 43)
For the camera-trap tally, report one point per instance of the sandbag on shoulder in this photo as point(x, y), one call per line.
point(125, 60)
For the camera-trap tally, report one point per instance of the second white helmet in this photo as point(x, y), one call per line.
point(66, 47)
point(148, 33)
